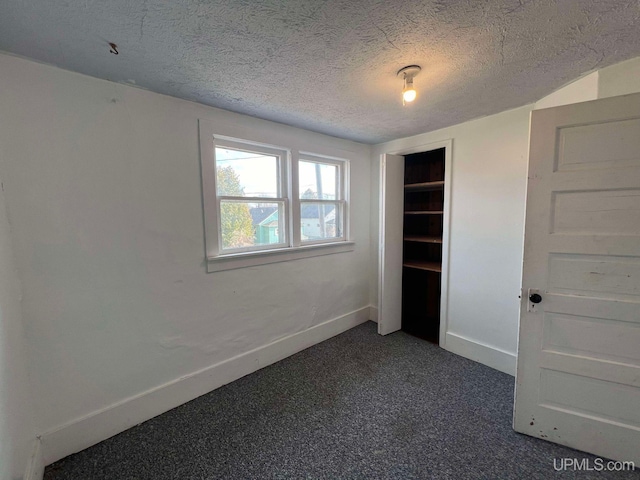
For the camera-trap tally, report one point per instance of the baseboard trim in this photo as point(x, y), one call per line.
point(373, 314)
point(482, 353)
point(101, 424)
point(35, 465)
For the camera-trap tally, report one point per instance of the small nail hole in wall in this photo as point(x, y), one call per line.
point(114, 48)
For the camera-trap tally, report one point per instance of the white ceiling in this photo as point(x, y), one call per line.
point(330, 65)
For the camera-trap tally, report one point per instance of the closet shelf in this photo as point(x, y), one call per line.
point(423, 186)
point(424, 212)
point(423, 265)
point(422, 239)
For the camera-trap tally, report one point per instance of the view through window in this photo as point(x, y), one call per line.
point(251, 205)
point(254, 204)
point(320, 209)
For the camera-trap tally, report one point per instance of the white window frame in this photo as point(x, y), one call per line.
point(283, 161)
point(341, 194)
point(292, 248)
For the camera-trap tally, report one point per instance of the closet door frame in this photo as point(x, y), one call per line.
point(389, 193)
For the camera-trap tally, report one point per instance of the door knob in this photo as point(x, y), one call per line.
point(535, 298)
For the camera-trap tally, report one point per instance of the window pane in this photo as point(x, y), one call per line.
point(245, 224)
point(319, 221)
point(318, 180)
point(246, 174)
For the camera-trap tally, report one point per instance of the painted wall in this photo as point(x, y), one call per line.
point(490, 161)
point(620, 79)
point(581, 90)
point(103, 188)
point(17, 434)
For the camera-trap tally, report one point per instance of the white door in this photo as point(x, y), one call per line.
point(390, 244)
point(578, 379)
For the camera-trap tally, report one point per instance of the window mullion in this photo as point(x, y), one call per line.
point(295, 200)
point(344, 196)
point(284, 222)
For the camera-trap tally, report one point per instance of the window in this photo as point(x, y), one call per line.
point(321, 203)
point(251, 197)
point(266, 204)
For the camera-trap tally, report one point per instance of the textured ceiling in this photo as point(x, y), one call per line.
point(330, 65)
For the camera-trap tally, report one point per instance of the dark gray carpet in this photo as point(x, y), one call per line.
point(356, 406)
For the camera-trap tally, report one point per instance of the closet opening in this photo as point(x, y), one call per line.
point(424, 194)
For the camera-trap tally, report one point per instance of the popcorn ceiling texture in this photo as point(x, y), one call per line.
point(330, 65)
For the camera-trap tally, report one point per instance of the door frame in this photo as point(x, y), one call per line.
point(446, 227)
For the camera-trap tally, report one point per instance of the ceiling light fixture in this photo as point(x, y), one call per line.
point(409, 91)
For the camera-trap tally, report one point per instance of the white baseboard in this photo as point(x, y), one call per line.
point(35, 465)
point(101, 424)
point(479, 352)
point(373, 314)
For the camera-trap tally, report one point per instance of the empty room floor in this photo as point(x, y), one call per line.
point(356, 406)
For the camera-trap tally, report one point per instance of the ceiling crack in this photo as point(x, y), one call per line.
point(521, 5)
point(144, 16)
point(601, 54)
point(503, 36)
point(386, 37)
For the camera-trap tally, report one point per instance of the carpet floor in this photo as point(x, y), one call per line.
point(356, 406)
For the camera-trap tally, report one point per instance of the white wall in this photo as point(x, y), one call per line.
point(490, 161)
point(17, 433)
point(580, 90)
point(122, 321)
point(620, 79)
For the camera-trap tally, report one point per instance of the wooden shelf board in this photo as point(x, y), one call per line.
point(424, 212)
point(423, 239)
point(423, 186)
point(423, 265)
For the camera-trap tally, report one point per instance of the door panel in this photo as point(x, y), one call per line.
point(391, 244)
point(578, 379)
point(587, 336)
point(596, 212)
point(609, 145)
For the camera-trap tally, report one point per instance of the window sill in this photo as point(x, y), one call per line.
point(264, 257)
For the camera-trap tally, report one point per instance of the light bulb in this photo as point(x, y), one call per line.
point(407, 74)
point(409, 95)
